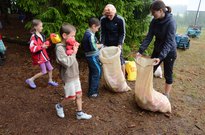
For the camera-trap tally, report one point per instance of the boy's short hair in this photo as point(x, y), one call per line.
point(67, 28)
point(93, 21)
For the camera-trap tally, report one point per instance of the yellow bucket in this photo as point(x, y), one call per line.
point(131, 70)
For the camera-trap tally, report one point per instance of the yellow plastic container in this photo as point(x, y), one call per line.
point(55, 38)
point(131, 70)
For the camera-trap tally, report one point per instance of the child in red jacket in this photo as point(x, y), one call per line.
point(38, 47)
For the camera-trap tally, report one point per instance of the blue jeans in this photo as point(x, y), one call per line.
point(94, 74)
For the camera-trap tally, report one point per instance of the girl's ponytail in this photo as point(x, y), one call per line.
point(32, 30)
point(159, 4)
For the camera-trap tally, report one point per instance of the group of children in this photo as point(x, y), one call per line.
point(66, 58)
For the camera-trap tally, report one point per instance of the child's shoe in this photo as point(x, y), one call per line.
point(81, 115)
point(31, 83)
point(93, 96)
point(52, 83)
point(59, 110)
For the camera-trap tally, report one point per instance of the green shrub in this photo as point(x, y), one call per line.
point(77, 12)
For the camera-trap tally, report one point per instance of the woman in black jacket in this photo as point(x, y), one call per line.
point(113, 30)
point(163, 27)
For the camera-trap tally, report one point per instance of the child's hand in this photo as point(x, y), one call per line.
point(75, 49)
point(47, 43)
point(99, 46)
point(45, 46)
point(77, 44)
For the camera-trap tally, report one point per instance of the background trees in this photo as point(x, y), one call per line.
point(77, 12)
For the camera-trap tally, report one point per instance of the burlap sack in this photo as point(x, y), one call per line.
point(114, 78)
point(145, 96)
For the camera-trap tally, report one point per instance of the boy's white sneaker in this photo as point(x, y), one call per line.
point(82, 115)
point(59, 110)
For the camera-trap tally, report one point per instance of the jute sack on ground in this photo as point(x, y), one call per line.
point(114, 78)
point(145, 96)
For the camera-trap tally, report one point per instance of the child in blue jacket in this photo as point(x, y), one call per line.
point(91, 49)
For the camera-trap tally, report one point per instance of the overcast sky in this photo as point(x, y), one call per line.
point(191, 4)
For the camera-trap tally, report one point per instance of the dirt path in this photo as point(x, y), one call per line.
point(26, 111)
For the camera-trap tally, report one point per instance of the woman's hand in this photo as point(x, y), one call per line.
point(120, 46)
point(156, 61)
point(138, 55)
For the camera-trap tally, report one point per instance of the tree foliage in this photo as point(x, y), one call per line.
point(77, 12)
